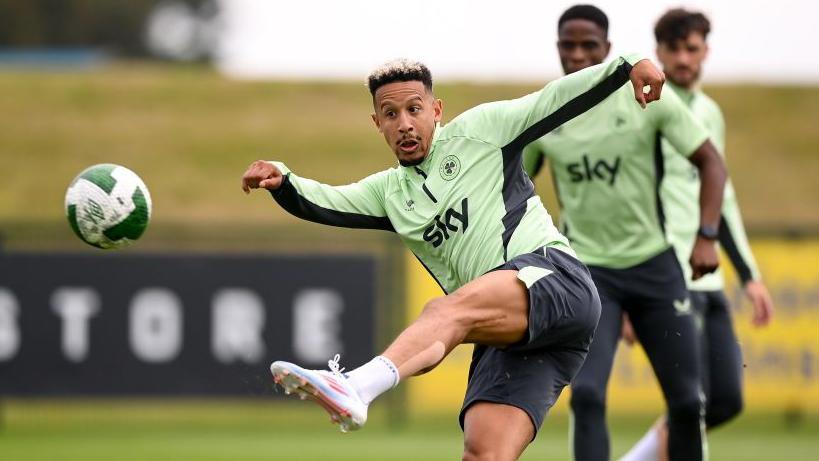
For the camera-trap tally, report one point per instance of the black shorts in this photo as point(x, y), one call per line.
point(563, 312)
point(657, 283)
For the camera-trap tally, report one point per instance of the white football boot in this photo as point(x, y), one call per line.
point(330, 389)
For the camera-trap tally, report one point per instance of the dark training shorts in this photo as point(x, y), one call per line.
point(563, 312)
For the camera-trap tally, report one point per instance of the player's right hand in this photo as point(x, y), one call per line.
point(261, 174)
point(645, 74)
point(704, 258)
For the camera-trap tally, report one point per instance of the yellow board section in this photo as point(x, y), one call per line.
point(781, 360)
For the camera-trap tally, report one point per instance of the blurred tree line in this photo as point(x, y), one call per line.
point(117, 26)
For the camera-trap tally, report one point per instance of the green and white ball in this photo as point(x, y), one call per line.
point(108, 206)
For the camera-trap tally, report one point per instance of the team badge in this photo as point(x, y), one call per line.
point(450, 167)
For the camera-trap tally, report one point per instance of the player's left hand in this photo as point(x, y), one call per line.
point(704, 259)
point(645, 74)
point(758, 293)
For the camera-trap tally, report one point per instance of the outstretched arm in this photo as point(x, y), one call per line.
point(514, 124)
point(359, 205)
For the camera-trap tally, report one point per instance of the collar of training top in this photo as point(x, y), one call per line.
point(686, 95)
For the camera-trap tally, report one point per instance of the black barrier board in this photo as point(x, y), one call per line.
point(177, 324)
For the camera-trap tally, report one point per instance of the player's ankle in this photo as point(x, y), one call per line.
point(373, 378)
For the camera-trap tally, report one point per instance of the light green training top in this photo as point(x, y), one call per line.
point(469, 206)
point(680, 192)
point(607, 168)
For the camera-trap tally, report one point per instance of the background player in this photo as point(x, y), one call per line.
point(682, 48)
point(462, 203)
point(607, 168)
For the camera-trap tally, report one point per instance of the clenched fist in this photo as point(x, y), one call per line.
point(704, 258)
point(261, 174)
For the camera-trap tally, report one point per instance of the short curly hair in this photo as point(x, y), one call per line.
point(588, 13)
point(678, 24)
point(399, 70)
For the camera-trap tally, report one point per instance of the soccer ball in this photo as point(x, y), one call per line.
point(108, 206)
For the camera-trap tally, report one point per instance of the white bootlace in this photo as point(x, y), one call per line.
point(334, 366)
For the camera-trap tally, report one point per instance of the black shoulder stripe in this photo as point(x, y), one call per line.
point(289, 199)
point(573, 108)
point(726, 239)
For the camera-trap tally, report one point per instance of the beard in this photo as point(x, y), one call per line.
point(689, 76)
point(411, 162)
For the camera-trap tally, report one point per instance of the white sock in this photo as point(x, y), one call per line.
point(374, 378)
point(646, 449)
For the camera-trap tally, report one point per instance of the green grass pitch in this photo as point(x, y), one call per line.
point(295, 431)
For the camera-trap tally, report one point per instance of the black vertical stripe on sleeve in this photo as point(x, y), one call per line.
point(659, 173)
point(726, 239)
point(289, 198)
point(517, 187)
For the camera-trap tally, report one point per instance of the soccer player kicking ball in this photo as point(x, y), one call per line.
point(608, 167)
point(460, 200)
point(681, 47)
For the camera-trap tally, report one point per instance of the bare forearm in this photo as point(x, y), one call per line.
point(712, 183)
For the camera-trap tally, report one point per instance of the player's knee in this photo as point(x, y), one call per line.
point(435, 307)
point(587, 398)
point(446, 316)
point(723, 409)
point(450, 309)
point(479, 451)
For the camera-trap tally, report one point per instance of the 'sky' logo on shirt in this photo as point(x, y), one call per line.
point(439, 231)
point(588, 171)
